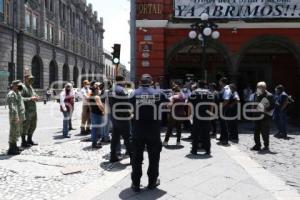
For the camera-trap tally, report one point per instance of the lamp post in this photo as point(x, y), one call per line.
point(203, 30)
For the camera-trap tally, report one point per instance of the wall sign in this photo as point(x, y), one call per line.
point(237, 9)
point(149, 9)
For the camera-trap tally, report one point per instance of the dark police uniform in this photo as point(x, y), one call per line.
point(233, 113)
point(120, 127)
point(201, 127)
point(146, 133)
point(224, 95)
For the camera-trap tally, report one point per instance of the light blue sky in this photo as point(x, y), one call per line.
point(116, 14)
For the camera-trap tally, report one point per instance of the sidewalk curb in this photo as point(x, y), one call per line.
point(100, 185)
point(276, 186)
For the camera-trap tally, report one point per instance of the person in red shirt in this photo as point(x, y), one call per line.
point(66, 107)
point(179, 111)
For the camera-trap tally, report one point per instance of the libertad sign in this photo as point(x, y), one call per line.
point(245, 9)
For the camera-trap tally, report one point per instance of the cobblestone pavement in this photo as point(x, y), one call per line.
point(284, 159)
point(38, 173)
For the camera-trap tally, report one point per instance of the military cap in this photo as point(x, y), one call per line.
point(29, 76)
point(17, 83)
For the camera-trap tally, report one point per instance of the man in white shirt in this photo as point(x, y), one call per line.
point(85, 115)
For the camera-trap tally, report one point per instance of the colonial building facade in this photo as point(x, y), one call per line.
point(54, 40)
point(259, 41)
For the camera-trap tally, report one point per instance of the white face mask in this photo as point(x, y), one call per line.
point(259, 91)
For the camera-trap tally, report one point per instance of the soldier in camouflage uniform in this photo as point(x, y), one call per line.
point(16, 116)
point(30, 98)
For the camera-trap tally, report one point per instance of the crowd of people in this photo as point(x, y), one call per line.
point(138, 114)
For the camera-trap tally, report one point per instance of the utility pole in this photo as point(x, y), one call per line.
point(133, 40)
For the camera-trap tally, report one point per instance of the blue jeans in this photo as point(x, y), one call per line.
point(66, 123)
point(281, 121)
point(105, 129)
point(97, 125)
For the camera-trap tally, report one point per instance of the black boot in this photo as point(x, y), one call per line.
point(82, 131)
point(30, 142)
point(24, 142)
point(153, 184)
point(136, 187)
point(13, 151)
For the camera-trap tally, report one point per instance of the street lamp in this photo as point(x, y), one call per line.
point(203, 30)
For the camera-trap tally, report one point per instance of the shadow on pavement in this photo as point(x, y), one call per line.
point(90, 148)
point(113, 167)
point(174, 147)
point(4, 156)
point(267, 152)
point(144, 194)
point(198, 157)
point(58, 137)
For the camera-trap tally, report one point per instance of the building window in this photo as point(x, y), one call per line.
point(51, 5)
point(46, 31)
point(35, 24)
point(62, 38)
point(46, 4)
point(64, 12)
point(27, 21)
point(51, 31)
point(7, 12)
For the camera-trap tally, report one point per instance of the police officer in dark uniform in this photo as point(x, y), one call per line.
point(146, 132)
point(224, 98)
point(120, 118)
point(202, 117)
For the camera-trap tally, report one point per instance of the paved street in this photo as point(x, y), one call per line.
point(70, 169)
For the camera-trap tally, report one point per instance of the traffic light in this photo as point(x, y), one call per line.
point(116, 54)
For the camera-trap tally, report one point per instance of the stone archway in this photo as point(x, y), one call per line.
point(218, 59)
point(66, 73)
point(53, 73)
point(37, 70)
point(273, 59)
point(75, 76)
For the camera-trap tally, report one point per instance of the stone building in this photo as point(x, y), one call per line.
point(55, 40)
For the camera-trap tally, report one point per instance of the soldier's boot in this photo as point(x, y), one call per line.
point(24, 143)
point(13, 151)
point(29, 141)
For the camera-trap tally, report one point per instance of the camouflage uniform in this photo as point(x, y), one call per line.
point(29, 125)
point(16, 115)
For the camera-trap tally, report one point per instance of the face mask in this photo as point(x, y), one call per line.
point(259, 91)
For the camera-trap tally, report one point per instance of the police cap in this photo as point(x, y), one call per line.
point(146, 79)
